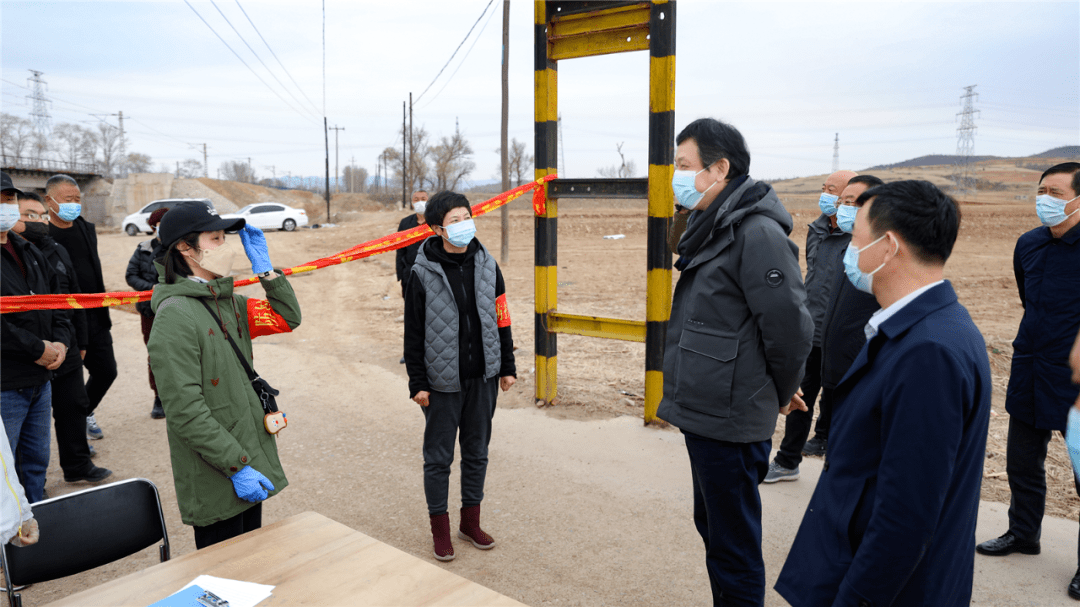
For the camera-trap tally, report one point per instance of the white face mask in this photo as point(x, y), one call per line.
point(419, 206)
point(218, 261)
point(9, 216)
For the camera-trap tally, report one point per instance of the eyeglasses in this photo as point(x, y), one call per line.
point(35, 216)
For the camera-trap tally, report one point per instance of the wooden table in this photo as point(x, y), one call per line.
point(310, 560)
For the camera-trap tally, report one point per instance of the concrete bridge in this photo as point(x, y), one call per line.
point(30, 175)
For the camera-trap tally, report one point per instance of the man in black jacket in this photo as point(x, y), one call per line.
point(69, 400)
point(142, 275)
point(406, 256)
point(32, 345)
point(78, 236)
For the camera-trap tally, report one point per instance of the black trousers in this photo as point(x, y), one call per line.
point(101, 363)
point(70, 406)
point(248, 520)
point(797, 423)
point(1025, 463)
point(727, 514)
point(465, 415)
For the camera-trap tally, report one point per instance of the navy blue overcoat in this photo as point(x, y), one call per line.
point(892, 520)
point(1048, 279)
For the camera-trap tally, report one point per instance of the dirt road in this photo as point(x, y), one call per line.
point(588, 506)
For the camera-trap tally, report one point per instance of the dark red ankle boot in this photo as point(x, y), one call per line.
point(470, 529)
point(440, 534)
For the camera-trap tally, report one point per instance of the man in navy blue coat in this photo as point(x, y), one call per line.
point(892, 520)
point(1041, 389)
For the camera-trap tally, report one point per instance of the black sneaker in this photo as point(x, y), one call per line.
point(815, 446)
point(402, 361)
point(94, 475)
point(157, 412)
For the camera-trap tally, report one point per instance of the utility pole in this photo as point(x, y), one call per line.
point(352, 175)
point(40, 113)
point(326, 132)
point(178, 169)
point(123, 145)
point(404, 152)
point(205, 162)
point(251, 171)
point(412, 145)
point(836, 154)
point(337, 166)
point(504, 154)
point(965, 143)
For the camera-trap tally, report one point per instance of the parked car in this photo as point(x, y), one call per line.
point(272, 216)
point(136, 222)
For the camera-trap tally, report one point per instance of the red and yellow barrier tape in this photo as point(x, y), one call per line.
point(391, 242)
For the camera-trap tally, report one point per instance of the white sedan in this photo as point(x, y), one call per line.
point(271, 216)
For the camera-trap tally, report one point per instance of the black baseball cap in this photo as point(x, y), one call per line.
point(188, 217)
point(7, 185)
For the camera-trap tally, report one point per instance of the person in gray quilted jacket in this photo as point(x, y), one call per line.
point(458, 353)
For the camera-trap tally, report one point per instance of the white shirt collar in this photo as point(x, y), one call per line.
point(882, 315)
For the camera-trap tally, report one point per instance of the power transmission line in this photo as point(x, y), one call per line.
point(466, 56)
point(286, 101)
point(239, 35)
point(276, 57)
point(455, 50)
point(40, 113)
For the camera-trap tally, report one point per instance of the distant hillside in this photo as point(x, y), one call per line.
point(1065, 151)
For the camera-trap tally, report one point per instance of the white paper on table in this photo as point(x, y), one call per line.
point(239, 594)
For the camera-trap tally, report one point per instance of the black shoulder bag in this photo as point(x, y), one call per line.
point(273, 420)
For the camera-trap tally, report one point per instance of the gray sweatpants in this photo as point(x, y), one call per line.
point(468, 411)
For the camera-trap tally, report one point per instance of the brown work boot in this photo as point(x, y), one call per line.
point(440, 534)
point(470, 529)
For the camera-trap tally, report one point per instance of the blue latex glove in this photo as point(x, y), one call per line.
point(256, 249)
point(251, 485)
point(1072, 438)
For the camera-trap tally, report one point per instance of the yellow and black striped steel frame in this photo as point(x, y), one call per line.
point(568, 29)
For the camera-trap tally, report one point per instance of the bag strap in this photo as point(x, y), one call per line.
point(252, 375)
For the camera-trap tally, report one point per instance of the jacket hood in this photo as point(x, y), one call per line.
point(433, 251)
point(220, 287)
point(753, 198)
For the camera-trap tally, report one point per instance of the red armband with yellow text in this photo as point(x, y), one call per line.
point(502, 313)
point(263, 320)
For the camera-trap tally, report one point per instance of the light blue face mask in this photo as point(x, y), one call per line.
point(827, 202)
point(845, 217)
point(1072, 438)
point(69, 210)
point(863, 281)
point(9, 216)
point(1051, 211)
point(686, 194)
point(460, 234)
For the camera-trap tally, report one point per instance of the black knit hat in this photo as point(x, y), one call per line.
point(188, 217)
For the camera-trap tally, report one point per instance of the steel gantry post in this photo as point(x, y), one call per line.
point(571, 29)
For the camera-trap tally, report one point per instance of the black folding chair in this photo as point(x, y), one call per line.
point(84, 530)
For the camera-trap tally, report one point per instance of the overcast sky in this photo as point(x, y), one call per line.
point(886, 76)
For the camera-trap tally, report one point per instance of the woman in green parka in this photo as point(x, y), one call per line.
point(224, 461)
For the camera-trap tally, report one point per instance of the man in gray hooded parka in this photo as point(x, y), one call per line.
point(737, 341)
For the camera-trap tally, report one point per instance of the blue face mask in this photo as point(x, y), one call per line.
point(460, 234)
point(9, 216)
point(862, 280)
point(1051, 211)
point(827, 202)
point(845, 217)
point(69, 211)
point(686, 194)
point(1072, 438)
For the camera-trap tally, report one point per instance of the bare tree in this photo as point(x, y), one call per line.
point(355, 178)
point(73, 143)
point(451, 162)
point(190, 169)
point(625, 170)
point(520, 162)
point(15, 135)
point(232, 170)
point(107, 145)
point(138, 163)
point(417, 170)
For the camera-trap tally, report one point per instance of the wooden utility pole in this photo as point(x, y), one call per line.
point(504, 257)
point(337, 165)
point(404, 151)
point(326, 132)
point(412, 146)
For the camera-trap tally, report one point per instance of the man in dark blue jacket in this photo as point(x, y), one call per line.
point(892, 520)
point(1047, 266)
